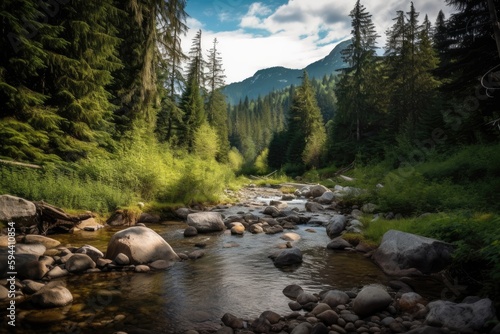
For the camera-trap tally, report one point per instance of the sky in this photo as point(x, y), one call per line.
point(254, 35)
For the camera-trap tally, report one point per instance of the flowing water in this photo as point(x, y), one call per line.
point(234, 276)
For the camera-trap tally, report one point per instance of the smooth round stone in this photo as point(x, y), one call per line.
point(43, 317)
point(142, 268)
point(119, 317)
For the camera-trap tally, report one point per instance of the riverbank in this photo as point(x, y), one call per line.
point(275, 213)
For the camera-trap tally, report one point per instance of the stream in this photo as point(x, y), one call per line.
point(235, 276)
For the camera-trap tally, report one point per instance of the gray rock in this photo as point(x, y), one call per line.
point(255, 229)
point(292, 291)
point(305, 298)
point(91, 251)
point(314, 207)
point(149, 218)
point(57, 272)
point(402, 253)
point(142, 245)
point(320, 308)
point(206, 222)
point(142, 268)
point(271, 316)
point(30, 287)
point(54, 294)
point(294, 306)
point(326, 198)
point(288, 256)
point(336, 225)
point(335, 298)
point(261, 325)
point(183, 213)
point(272, 211)
point(196, 254)
point(190, 231)
point(302, 328)
point(460, 316)
point(328, 317)
point(232, 321)
point(338, 243)
point(35, 249)
point(371, 299)
point(159, 265)
point(40, 239)
point(319, 328)
point(78, 263)
point(408, 302)
point(280, 205)
point(317, 190)
point(122, 259)
point(17, 209)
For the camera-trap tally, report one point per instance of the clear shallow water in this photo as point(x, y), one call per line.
point(196, 293)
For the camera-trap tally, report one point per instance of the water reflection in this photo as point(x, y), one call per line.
point(241, 280)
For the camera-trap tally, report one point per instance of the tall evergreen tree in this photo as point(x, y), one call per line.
point(360, 56)
point(306, 133)
point(191, 103)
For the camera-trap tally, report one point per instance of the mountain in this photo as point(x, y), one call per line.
point(276, 78)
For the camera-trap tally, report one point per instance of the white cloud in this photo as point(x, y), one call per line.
point(297, 33)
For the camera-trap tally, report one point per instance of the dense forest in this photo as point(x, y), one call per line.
point(101, 101)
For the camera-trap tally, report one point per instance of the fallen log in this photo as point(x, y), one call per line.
point(52, 218)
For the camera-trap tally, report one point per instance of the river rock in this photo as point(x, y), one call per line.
point(142, 245)
point(280, 205)
point(57, 272)
point(190, 231)
point(149, 218)
point(338, 243)
point(290, 236)
point(428, 330)
point(35, 249)
point(142, 268)
point(336, 225)
point(292, 291)
point(206, 222)
point(261, 325)
point(302, 328)
point(232, 321)
point(183, 213)
point(371, 299)
point(328, 317)
point(408, 302)
point(314, 207)
point(121, 259)
point(78, 263)
point(271, 316)
point(30, 286)
point(317, 190)
point(461, 317)
point(306, 298)
point(89, 224)
point(91, 251)
point(335, 298)
point(34, 270)
point(272, 211)
point(326, 198)
point(320, 308)
point(402, 253)
point(159, 265)
point(288, 256)
point(40, 239)
point(17, 209)
point(53, 294)
point(4, 293)
point(237, 229)
point(255, 229)
point(197, 254)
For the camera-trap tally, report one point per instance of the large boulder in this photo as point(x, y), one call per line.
point(317, 190)
point(461, 317)
point(326, 198)
point(206, 222)
point(141, 245)
point(79, 263)
point(287, 257)
point(371, 299)
point(402, 253)
point(17, 209)
point(334, 298)
point(336, 225)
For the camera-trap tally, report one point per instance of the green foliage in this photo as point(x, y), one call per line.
point(235, 159)
point(206, 142)
point(260, 165)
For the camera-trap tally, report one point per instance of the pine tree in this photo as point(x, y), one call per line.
point(360, 56)
point(216, 107)
point(306, 132)
point(191, 102)
point(172, 80)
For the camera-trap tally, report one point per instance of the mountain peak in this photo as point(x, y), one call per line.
point(266, 80)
